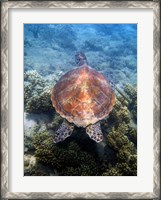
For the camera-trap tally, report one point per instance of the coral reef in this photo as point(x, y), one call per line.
point(112, 171)
point(52, 34)
point(37, 92)
point(61, 30)
point(126, 163)
point(119, 114)
point(34, 29)
point(34, 168)
point(36, 171)
point(93, 44)
point(67, 158)
point(40, 103)
point(72, 158)
point(27, 43)
point(132, 134)
point(116, 140)
point(29, 133)
point(131, 91)
point(34, 124)
point(121, 138)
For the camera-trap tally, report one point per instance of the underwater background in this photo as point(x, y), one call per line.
point(49, 52)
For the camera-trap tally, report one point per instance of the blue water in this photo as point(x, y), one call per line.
point(109, 48)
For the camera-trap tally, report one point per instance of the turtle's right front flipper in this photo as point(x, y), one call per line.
point(63, 132)
point(94, 132)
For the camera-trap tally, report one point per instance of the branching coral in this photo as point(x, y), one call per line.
point(126, 163)
point(68, 159)
point(38, 169)
point(120, 138)
point(119, 114)
point(132, 134)
point(113, 171)
point(128, 168)
point(132, 93)
point(126, 153)
point(123, 168)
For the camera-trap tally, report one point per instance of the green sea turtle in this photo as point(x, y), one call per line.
point(82, 97)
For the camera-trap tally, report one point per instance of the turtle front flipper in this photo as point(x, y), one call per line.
point(94, 132)
point(63, 132)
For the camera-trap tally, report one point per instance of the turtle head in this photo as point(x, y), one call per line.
point(80, 59)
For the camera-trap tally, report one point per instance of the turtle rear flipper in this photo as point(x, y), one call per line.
point(63, 132)
point(94, 132)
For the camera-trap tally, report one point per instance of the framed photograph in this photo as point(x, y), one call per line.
point(80, 100)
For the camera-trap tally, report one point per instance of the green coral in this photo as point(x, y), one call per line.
point(123, 128)
point(36, 171)
point(39, 169)
point(123, 168)
point(132, 134)
point(68, 159)
point(120, 120)
point(123, 101)
point(126, 164)
point(126, 153)
point(131, 91)
point(117, 140)
point(120, 114)
point(121, 138)
point(128, 168)
point(113, 171)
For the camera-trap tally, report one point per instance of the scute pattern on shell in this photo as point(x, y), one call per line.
point(83, 96)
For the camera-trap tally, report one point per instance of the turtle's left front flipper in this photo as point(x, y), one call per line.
point(94, 132)
point(63, 132)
